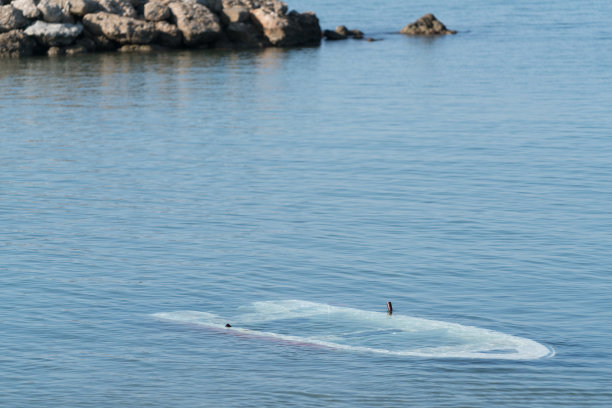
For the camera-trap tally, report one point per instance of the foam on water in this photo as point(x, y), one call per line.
point(355, 330)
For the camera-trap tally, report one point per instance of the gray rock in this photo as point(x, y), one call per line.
point(81, 7)
point(15, 44)
point(168, 34)
point(10, 19)
point(196, 22)
point(235, 14)
point(427, 25)
point(124, 30)
point(27, 7)
point(54, 34)
point(55, 11)
point(288, 30)
point(124, 8)
point(156, 10)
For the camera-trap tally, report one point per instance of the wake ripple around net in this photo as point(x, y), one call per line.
point(355, 330)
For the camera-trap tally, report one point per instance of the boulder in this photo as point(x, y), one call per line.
point(54, 52)
point(54, 34)
point(333, 35)
point(168, 34)
point(75, 49)
point(235, 14)
point(156, 10)
point(196, 22)
point(308, 30)
point(288, 30)
point(342, 33)
point(15, 43)
point(11, 18)
point(427, 25)
point(124, 30)
point(124, 8)
point(70, 50)
point(81, 7)
point(136, 48)
point(27, 7)
point(342, 30)
point(358, 35)
point(55, 11)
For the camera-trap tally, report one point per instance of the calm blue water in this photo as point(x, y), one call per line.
point(468, 179)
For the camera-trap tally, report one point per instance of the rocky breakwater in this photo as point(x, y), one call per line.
point(55, 27)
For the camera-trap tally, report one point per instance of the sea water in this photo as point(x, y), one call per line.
point(352, 330)
point(467, 179)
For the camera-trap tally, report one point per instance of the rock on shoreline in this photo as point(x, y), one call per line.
point(427, 25)
point(56, 27)
point(342, 33)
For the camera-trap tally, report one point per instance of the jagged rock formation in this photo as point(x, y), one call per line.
point(427, 25)
point(58, 27)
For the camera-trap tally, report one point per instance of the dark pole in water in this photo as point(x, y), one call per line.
point(389, 308)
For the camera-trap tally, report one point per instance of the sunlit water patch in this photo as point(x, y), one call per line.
point(355, 330)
